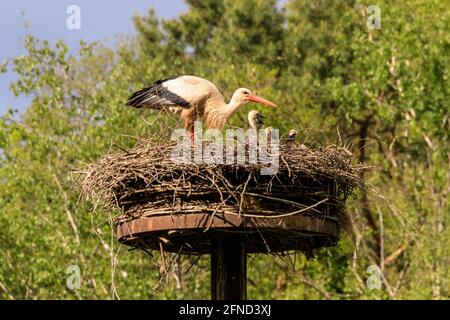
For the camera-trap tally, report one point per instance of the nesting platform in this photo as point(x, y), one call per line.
point(227, 210)
point(194, 233)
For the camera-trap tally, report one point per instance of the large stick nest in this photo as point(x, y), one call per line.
point(145, 182)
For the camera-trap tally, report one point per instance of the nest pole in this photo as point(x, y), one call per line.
point(228, 270)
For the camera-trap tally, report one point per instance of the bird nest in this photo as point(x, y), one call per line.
point(186, 206)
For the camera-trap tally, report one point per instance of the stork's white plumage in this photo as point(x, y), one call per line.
point(193, 98)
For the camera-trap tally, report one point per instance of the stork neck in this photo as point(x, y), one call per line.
point(232, 107)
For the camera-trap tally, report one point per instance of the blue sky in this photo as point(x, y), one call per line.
point(46, 19)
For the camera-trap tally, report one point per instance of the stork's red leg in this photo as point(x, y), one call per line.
point(188, 126)
point(191, 133)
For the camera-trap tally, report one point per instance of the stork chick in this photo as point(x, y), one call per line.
point(268, 132)
point(255, 119)
point(292, 135)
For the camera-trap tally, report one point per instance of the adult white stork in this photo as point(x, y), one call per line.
point(193, 98)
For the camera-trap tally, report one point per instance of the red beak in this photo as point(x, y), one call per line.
point(258, 99)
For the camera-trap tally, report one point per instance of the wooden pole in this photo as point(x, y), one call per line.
point(228, 270)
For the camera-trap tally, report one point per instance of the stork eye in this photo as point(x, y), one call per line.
point(246, 92)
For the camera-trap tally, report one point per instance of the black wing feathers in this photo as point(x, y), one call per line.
point(156, 96)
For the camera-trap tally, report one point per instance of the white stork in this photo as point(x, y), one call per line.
point(292, 135)
point(268, 131)
point(255, 119)
point(193, 98)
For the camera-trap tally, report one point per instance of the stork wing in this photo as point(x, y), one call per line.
point(158, 95)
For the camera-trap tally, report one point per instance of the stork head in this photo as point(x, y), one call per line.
point(292, 134)
point(255, 119)
point(244, 95)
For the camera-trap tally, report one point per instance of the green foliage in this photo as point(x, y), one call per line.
point(384, 91)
